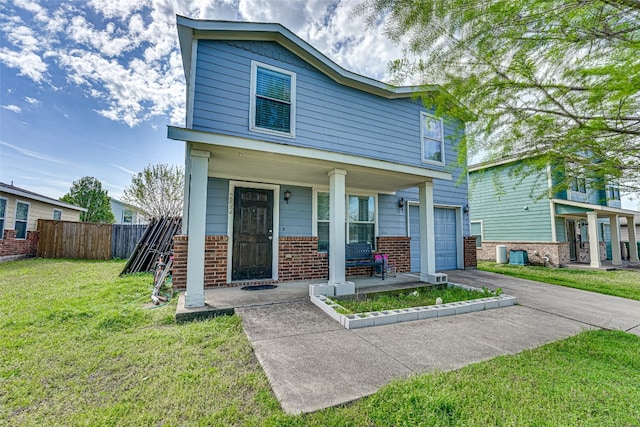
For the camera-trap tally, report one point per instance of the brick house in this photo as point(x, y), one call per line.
point(19, 213)
point(290, 156)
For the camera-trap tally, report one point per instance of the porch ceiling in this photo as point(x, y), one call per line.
point(565, 208)
point(261, 161)
point(250, 165)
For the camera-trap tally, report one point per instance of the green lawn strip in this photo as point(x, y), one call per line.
point(78, 347)
point(621, 283)
point(406, 298)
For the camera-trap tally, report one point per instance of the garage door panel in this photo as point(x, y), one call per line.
point(445, 230)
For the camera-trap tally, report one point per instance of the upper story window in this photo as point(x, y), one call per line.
point(57, 214)
point(3, 213)
point(127, 216)
point(273, 96)
point(613, 192)
point(579, 184)
point(432, 136)
point(22, 215)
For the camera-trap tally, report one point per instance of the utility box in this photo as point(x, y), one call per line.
point(518, 257)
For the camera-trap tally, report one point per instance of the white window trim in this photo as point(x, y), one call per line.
point(15, 219)
point(422, 138)
point(252, 103)
point(314, 218)
point(481, 230)
point(4, 217)
point(54, 213)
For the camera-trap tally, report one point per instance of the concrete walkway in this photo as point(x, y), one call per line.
point(313, 363)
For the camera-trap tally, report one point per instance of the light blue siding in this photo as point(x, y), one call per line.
point(329, 116)
point(296, 216)
point(511, 209)
point(392, 221)
point(217, 202)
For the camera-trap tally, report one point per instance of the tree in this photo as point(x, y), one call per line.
point(87, 192)
point(157, 191)
point(559, 78)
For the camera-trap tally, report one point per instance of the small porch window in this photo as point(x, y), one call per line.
point(3, 213)
point(22, 215)
point(476, 231)
point(361, 220)
point(272, 100)
point(432, 135)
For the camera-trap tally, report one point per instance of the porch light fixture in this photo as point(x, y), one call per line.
point(466, 209)
point(401, 202)
point(287, 196)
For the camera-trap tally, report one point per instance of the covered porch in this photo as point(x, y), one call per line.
point(576, 211)
point(273, 167)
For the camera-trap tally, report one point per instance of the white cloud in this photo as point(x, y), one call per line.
point(128, 58)
point(13, 108)
point(32, 101)
point(123, 169)
point(32, 154)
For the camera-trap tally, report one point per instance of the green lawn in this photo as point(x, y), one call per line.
point(621, 283)
point(78, 347)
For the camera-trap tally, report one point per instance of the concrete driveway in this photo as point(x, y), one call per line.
point(313, 363)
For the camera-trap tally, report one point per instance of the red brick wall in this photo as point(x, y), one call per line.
point(298, 259)
point(12, 248)
point(398, 249)
point(470, 255)
point(215, 261)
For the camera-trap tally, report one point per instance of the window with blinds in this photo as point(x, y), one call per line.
point(272, 100)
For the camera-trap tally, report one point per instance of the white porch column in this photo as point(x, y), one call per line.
point(633, 240)
point(196, 228)
point(614, 228)
point(594, 244)
point(427, 232)
point(337, 236)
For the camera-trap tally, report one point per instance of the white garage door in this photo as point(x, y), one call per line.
point(445, 238)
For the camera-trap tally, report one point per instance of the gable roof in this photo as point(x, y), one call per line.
point(20, 192)
point(193, 29)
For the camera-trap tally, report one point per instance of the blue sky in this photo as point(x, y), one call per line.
point(88, 87)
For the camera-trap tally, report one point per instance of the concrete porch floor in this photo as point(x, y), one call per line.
point(606, 266)
point(224, 300)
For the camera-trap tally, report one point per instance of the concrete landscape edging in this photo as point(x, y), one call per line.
point(386, 317)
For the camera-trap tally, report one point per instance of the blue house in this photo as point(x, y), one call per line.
point(289, 157)
point(580, 224)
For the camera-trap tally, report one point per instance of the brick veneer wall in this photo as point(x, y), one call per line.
point(558, 253)
point(470, 254)
point(12, 248)
point(215, 261)
point(298, 259)
point(398, 248)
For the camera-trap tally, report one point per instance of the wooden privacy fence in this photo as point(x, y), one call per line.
point(124, 238)
point(84, 240)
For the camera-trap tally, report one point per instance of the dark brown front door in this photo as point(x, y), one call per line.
point(252, 234)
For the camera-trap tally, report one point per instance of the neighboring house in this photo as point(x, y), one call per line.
point(125, 213)
point(581, 224)
point(624, 230)
point(20, 211)
point(289, 157)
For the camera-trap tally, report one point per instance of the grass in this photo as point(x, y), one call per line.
point(621, 283)
point(405, 298)
point(78, 347)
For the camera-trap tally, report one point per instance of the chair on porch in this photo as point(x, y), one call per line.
point(383, 266)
